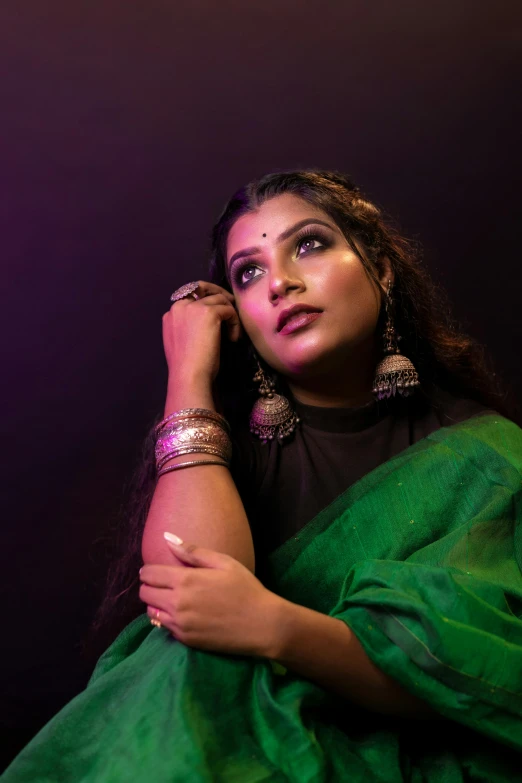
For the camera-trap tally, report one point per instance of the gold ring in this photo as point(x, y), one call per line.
point(155, 621)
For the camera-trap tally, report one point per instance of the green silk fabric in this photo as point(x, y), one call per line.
point(422, 558)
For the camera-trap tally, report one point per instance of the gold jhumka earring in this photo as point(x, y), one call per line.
point(272, 415)
point(394, 373)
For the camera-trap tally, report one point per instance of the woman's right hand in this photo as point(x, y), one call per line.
point(192, 334)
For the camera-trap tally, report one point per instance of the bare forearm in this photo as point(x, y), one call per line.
point(200, 504)
point(325, 650)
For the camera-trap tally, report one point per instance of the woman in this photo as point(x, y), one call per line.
point(346, 599)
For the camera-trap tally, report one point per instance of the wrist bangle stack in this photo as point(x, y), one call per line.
point(190, 431)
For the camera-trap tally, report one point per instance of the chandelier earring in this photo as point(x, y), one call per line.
point(394, 373)
point(272, 416)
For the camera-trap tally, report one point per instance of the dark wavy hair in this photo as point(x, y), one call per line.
point(443, 355)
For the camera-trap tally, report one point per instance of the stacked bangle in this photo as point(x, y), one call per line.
point(190, 431)
point(181, 465)
point(189, 413)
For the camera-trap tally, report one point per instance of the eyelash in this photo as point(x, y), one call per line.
point(304, 234)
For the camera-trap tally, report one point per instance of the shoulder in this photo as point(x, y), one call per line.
point(470, 426)
point(452, 409)
point(428, 411)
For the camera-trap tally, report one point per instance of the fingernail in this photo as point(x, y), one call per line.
point(173, 539)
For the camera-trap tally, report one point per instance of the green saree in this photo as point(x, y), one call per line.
point(422, 558)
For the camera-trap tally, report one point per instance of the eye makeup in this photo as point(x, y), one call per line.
point(307, 233)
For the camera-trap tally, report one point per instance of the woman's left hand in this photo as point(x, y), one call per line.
point(217, 604)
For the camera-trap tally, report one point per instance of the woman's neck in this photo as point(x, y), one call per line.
point(331, 398)
point(340, 391)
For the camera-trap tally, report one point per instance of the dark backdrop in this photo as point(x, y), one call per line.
point(125, 127)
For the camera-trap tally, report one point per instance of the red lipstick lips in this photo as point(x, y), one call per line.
point(296, 316)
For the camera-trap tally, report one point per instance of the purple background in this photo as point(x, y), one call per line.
point(125, 127)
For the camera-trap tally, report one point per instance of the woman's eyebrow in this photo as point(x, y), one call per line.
point(251, 251)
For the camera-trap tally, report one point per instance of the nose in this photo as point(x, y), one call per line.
point(283, 280)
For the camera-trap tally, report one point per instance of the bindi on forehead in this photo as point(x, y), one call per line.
point(264, 235)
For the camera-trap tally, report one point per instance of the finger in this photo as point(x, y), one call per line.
point(213, 299)
point(199, 556)
point(156, 596)
point(166, 620)
point(160, 575)
point(158, 614)
point(227, 313)
point(206, 288)
point(235, 329)
point(216, 289)
point(232, 321)
point(154, 612)
point(209, 301)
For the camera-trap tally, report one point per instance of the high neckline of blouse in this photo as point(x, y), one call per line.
point(353, 419)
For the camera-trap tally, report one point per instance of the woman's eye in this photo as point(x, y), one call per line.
point(310, 240)
point(247, 274)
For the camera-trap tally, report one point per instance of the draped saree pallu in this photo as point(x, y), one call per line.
point(422, 558)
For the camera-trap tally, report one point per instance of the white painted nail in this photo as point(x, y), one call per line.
point(173, 539)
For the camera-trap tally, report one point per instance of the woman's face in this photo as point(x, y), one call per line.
point(289, 252)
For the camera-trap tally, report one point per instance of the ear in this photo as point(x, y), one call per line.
point(386, 273)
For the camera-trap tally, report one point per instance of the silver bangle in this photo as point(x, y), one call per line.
point(190, 413)
point(193, 449)
point(196, 432)
point(181, 465)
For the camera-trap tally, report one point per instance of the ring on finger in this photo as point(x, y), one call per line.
point(155, 620)
point(187, 290)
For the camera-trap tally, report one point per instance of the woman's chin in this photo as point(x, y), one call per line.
point(309, 363)
point(325, 358)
